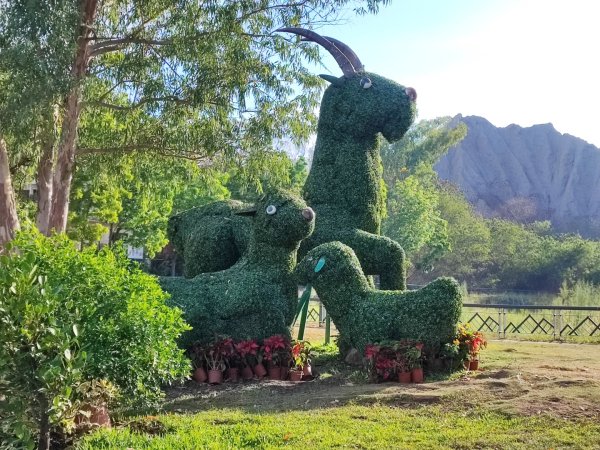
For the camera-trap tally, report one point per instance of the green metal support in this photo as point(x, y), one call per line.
point(303, 311)
point(327, 329)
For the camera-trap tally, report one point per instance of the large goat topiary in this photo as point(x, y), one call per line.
point(364, 315)
point(257, 296)
point(345, 185)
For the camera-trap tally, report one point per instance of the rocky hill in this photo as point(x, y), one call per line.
point(527, 174)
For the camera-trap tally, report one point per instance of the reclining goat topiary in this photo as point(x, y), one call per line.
point(364, 315)
point(257, 296)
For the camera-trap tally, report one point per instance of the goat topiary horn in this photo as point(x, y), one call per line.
point(340, 57)
point(348, 53)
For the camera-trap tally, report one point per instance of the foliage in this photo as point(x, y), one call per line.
point(301, 354)
point(414, 218)
point(371, 426)
point(61, 306)
point(206, 82)
point(364, 315)
point(386, 359)
point(248, 351)
point(465, 346)
point(41, 355)
point(97, 392)
point(345, 185)
point(257, 297)
point(494, 252)
point(276, 349)
point(218, 353)
point(132, 196)
point(422, 145)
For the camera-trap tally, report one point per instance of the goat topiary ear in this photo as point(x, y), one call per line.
point(333, 80)
point(249, 211)
point(320, 264)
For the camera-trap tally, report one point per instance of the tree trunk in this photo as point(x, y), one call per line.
point(9, 221)
point(63, 174)
point(44, 438)
point(44, 177)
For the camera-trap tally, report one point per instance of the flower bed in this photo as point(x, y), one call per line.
point(276, 356)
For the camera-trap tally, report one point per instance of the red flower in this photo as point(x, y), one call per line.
point(371, 351)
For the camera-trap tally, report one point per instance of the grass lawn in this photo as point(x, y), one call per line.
point(528, 395)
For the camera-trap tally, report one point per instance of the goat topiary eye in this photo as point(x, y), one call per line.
point(366, 83)
point(320, 264)
point(271, 209)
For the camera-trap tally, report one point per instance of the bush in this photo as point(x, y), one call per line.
point(71, 316)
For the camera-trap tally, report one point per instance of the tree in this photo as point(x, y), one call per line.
point(414, 218)
point(188, 79)
point(424, 143)
point(9, 223)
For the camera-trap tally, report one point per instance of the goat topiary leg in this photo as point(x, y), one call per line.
point(378, 255)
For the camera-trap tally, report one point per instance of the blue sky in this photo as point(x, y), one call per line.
point(510, 61)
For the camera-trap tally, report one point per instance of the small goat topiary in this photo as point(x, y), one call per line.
point(364, 315)
point(256, 297)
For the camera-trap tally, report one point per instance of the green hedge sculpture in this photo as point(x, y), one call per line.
point(345, 185)
point(256, 297)
point(364, 315)
point(210, 238)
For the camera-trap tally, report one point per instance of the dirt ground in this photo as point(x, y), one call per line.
point(515, 377)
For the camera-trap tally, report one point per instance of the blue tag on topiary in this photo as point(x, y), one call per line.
point(320, 264)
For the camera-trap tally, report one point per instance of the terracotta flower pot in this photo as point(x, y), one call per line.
point(215, 376)
point(307, 370)
point(296, 375)
point(98, 416)
point(285, 372)
point(233, 374)
point(247, 373)
point(260, 370)
point(275, 373)
point(467, 364)
point(474, 364)
point(404, 377)
point(417, 375)
point(200, 375)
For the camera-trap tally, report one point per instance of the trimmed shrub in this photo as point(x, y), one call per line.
point(345, 185)
point(364, 315)
point(257, 297)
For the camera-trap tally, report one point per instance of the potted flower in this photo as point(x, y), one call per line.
point(476, 343)
point(198, 356)
point(215, 360)
point(414, 358)
point(307, 357)
point(94, 397)
point(232, 360)
point(402, 367)
point(298, 361)
point(371, 352)
point(274, 350)
point(248, 351)
point(470, 343)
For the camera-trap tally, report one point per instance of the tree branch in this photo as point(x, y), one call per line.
point(142, 102)
point(111, 45)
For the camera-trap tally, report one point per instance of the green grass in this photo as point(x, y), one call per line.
point(354, 426)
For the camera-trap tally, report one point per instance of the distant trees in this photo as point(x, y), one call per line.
point(443, 235)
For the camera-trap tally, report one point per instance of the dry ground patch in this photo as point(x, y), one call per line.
point(525, 378)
